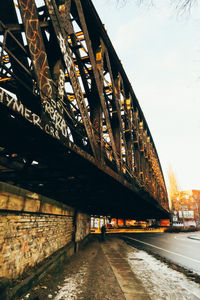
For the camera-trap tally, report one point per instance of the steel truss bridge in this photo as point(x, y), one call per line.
point(71, 126)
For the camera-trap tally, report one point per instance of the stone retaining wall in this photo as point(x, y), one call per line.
point(31, 229)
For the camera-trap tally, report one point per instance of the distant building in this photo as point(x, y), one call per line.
point(186, 208)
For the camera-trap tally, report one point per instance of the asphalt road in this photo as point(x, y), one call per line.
point(176, 248)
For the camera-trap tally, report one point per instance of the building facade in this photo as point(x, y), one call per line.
point(186, 208)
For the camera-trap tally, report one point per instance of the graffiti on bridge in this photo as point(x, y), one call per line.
point(58, 128)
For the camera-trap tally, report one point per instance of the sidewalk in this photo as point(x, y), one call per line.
point(115, 251)
point(113, 270)
point(100, 271)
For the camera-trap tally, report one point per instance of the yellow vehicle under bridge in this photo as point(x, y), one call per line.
point(71, 126)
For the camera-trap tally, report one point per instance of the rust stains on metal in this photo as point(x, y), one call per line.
point(76, 90)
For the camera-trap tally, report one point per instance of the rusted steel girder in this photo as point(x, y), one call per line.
point(68, 81)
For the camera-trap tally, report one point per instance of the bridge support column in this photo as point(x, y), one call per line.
point(82, 228)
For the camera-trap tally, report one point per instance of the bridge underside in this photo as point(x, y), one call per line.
point(32, 159)
point(71, 127)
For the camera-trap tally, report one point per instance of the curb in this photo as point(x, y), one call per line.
point(194, 238)
point(130, 285)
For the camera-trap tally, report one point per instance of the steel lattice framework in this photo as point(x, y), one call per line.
point(60, 73)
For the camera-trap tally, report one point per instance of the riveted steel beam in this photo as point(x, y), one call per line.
point(71, 96)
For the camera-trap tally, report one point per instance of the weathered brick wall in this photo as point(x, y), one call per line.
point(32, 227)
point(27, 239)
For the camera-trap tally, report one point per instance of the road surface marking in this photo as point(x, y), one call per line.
point(186, 239)
point(193, 259)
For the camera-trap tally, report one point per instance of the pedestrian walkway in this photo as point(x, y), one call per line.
point(115, 253)
point(98, 272)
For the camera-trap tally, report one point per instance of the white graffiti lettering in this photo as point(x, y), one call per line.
point(58, 125)
point(17, 106)
point(57, 118)
point(61, 83)
point(67, 58)
point(51, 130)
point(1, 95)
point(9, 100)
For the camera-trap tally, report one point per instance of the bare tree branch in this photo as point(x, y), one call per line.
point(181, 5)
point(185, 5)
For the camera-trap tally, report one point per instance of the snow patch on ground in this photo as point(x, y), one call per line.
point(72, 286)
point(161, 281)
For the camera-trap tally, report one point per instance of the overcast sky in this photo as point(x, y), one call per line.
point(160, 52)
